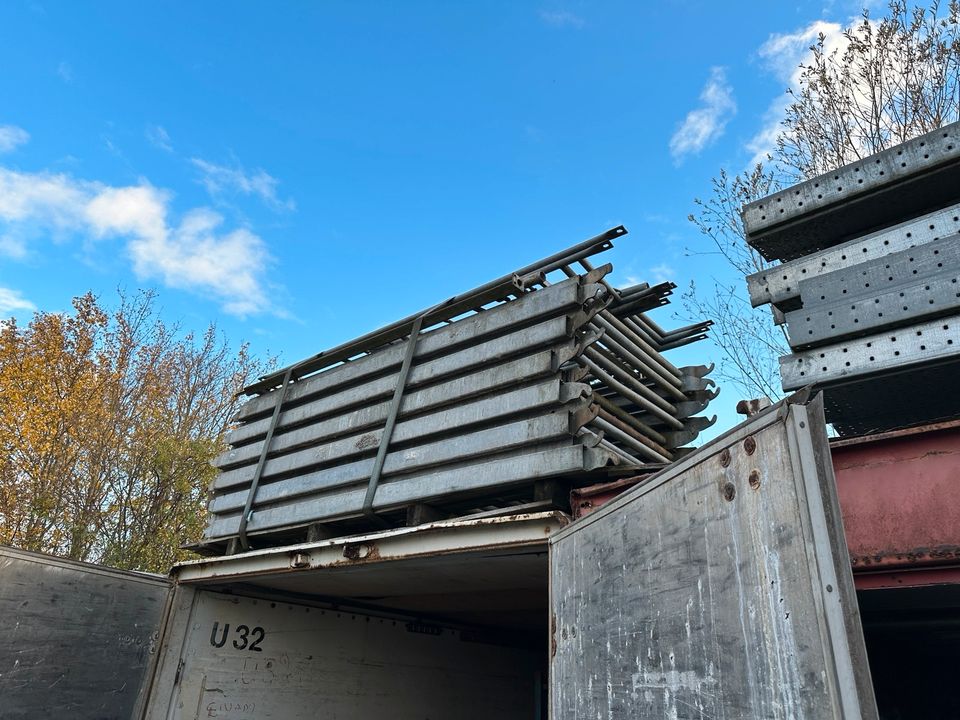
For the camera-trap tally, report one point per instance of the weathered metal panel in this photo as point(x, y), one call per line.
point(314, 662)
point(546, 461)
point(898, 494)
point(879, 403)
point(77, 638)
point(461, 387)
point(462, 337)
point(546, 395)
point(718, 589)
point(447, 537)
point(487, 390)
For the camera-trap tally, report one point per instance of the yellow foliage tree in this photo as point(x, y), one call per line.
point(108, 423)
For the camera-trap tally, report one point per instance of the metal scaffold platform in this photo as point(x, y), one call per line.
point(496, 400)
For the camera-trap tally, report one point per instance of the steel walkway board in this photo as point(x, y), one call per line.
point(899, 290)
point(780, 284)
point(929, 342)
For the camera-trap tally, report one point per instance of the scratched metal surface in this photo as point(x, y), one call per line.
point(77, 638)
point(249, 659)
point(721, 591)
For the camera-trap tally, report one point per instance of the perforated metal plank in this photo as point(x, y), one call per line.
point(883, 274)
point(720, 588)
point(780, 285)
point(899, 290)
point(929, 342)
point(901, 182)
point(906, 305)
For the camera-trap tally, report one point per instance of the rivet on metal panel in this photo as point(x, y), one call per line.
point(725, 457)
point(729, 491)
point(754, 479)
point(750, 445)
point(361, 551)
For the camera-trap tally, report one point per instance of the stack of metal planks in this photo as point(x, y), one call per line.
point(493, 401)
point(869, 285)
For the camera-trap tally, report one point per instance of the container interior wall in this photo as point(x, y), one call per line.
point(913, 642)
point(256, 657)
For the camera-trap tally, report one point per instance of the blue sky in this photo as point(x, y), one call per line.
point(301, 173)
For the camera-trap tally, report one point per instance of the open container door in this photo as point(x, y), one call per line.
point(721, 588)
point(78, 639)
point(443, 620)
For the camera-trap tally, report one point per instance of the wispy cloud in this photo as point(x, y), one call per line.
point(707, 123)
point(12, 246)
point(12, 301)
point(662, 273)
point(196, 254)
point(783, 54)
point(159, 137)
point(562, 19)
point(222, 179)
point(65, 71)
point(12, 137)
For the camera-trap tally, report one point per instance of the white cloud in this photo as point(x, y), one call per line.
point(783, 54)
point(11, 301)
point(11, 137)
point(12, 247)
point(65, 71)
point(662, 273)
point(159, 137)
point(562, 18)
point(707, 123)
point(195, 254)
point(54, 200)
point(220, 179)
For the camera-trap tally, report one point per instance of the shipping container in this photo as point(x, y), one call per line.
point(724, 586)
point(719, 588)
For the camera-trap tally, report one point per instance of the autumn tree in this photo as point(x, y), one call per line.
point(108, 423)
point(889, 80)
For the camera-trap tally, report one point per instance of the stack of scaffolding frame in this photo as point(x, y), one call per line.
point(482, 401)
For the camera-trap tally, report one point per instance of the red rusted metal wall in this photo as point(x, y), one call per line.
point(900, 497)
